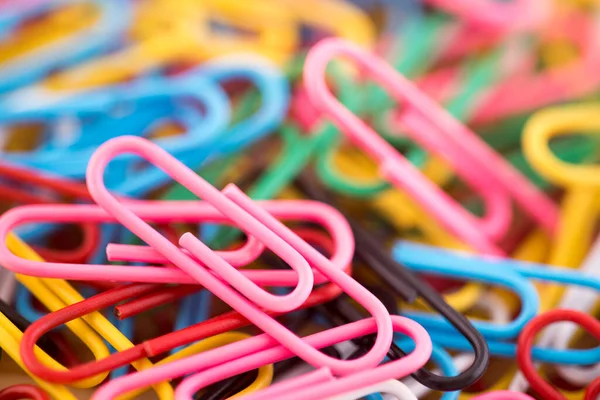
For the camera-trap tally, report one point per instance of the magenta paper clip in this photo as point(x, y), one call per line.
point(254, 221)
point(192, 212)
point(503, 16)
point(434, 128)
point(260, 350)
point(318, 387)
point(393, 166)
point(552, 85)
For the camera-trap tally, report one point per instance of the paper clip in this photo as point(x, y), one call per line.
point(203, 330)
point(10, 339)
point(64, 189)
point(57, 294)
point(414, 58)
point(64, 51)
point(108, 298)
point(561, 334)
point(409, 287)
point(226, 206)
point(525, 343)
point(240, 209)
point(73, 163)
point(30, 392)
point(259, 350)
point(580, 200)
point(515, 275)
point(392, 387)
point(400, 172)
point(273, 89)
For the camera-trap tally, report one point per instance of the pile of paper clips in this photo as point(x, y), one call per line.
point(299, 199)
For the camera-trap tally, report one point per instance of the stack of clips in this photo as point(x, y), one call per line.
point(300, 199)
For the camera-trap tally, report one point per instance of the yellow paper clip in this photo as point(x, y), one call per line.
point(58, 293)
point(579, 205)
point(184, 35)
point(10, 339)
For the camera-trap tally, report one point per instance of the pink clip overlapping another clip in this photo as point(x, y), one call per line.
point(196, 262)
point(254, 352)
point(434, 128)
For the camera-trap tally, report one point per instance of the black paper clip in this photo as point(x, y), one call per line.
point(408, 286)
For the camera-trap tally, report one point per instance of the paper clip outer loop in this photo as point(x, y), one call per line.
point(56, 294)
point(214, 326)
point(165, 212)
point(392, 165)
point(255, 221)
point(64, 188)
point(525, 343)
point(201, 137)
point(260, 350)
point(40, 288)
point(583, 189)
point(436, 127)
point(203, 189)
point(332, 386)
point(552, 122)
point(518, 275)
point(581, 300)
point(10, 338)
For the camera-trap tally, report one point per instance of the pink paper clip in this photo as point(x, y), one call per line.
point(324, 384)
point(504, 16)
point(434, 128)
point(260, 350)
point(165, 212)
point(95, 182)
point(553, 85)
point(254, 221)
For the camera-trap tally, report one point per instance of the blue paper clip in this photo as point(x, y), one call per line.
point(513, 274)
point(216, 118)
point(74, 163)
point(114, 20)
point(24, 304)
point(275, 98)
